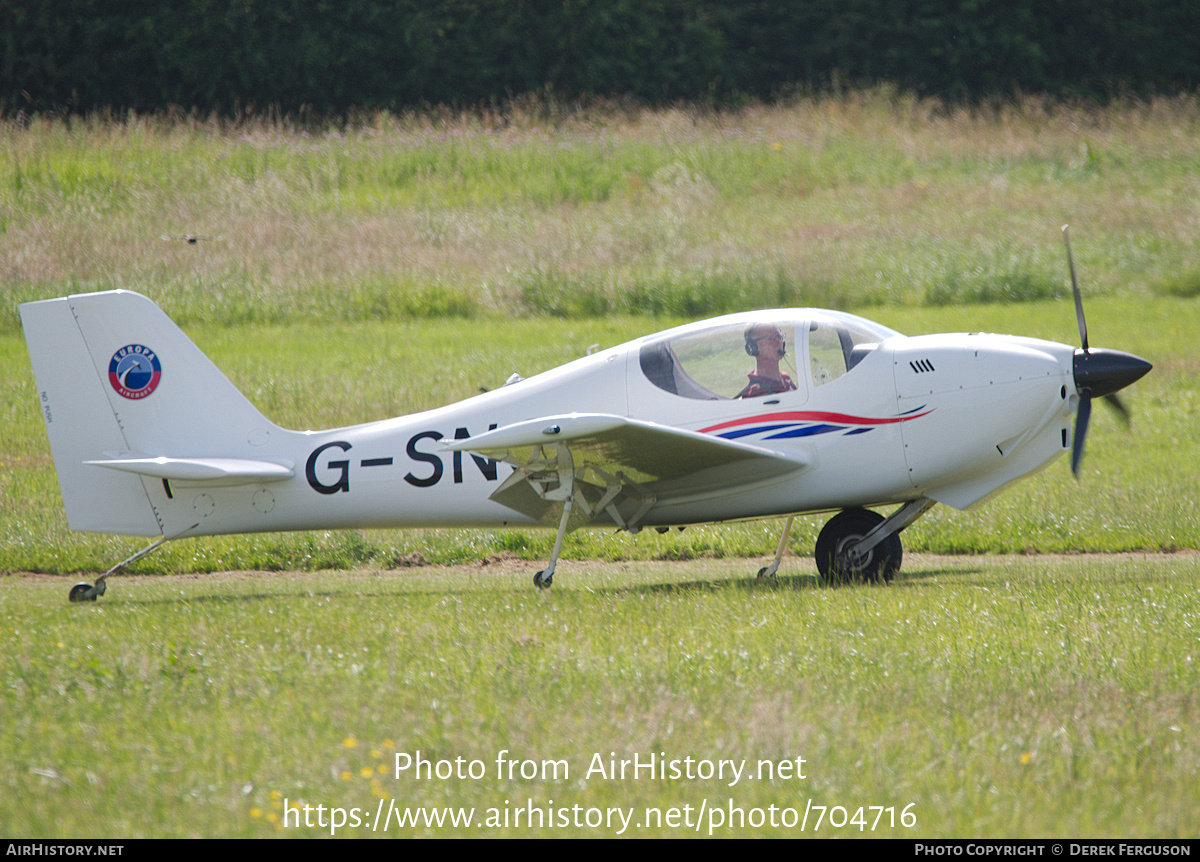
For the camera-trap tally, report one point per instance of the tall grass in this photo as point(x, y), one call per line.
point(872, 198)
point(1015, 697)
point(318, 252)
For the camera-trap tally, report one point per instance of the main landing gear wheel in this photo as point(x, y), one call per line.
point(82, 592)
point(837, 562)
point(543, 583)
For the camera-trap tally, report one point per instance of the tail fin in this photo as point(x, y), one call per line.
point(130, 404)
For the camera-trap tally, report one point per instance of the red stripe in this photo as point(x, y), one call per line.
point(812, 416)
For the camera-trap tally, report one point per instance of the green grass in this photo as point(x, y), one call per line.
point(996, 697)
point(873, 198)
point(370, 249)
point(1027, 694)
point(1136, 490)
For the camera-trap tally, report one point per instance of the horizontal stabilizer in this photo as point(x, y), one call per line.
point(209, 471)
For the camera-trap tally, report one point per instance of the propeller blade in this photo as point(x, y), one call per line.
point(1118, 405)
point(1075, 290)
point(1101, 372)
point(1082, 414)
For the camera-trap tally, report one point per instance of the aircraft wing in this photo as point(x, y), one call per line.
point(620, 462)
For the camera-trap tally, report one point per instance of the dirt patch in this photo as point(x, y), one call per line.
point(509, 563)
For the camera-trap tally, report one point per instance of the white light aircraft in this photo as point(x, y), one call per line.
point(754, 415)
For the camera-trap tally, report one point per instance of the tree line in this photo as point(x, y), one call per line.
point(335, 56)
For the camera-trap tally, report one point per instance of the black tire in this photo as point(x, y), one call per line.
point(82, 593)
point(844, 529)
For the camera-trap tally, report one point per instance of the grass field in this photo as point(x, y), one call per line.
point(1046, 696)
point(1006, 685)
point(1136, 491)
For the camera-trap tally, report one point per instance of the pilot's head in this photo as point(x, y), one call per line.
point(765, 336)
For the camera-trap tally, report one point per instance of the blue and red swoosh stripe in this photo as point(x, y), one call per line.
point(805, 423)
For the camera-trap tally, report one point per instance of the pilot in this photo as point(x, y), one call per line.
point(765, 343)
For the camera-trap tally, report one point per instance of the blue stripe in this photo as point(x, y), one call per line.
point(810, 431)
point(761, 429)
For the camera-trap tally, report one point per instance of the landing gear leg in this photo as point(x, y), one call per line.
point(85, 592)
point(543, 579)
point(770, 571)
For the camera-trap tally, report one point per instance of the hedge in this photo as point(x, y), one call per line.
point(334, 56)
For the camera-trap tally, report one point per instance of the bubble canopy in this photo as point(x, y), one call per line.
point(722, 359)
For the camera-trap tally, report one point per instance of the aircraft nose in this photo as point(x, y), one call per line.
point(1106, 371)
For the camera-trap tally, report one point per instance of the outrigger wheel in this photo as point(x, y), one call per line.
point(839, 564)
point(543, 581)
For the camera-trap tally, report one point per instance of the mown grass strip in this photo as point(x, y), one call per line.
point(999, 696)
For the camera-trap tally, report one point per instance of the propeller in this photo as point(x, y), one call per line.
point(1098, 373)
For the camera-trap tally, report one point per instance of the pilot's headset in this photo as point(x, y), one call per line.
point(751, 335)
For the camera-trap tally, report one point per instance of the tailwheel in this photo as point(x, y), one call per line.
point(840, 562)
point(543, 581)
point(85, 592)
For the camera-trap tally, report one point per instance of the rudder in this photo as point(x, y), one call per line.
point(117, 379)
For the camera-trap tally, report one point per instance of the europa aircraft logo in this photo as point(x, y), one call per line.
point(134, 371)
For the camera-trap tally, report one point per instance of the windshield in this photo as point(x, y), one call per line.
point(732, 361)
point(725, 362)
point(837, 344)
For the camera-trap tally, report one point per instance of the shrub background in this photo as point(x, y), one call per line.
point(322, 56)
